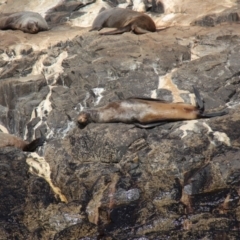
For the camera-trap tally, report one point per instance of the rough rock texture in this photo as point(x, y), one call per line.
point(115, 181)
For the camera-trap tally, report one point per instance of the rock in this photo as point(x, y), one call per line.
point(211, 20)
point(116, 181)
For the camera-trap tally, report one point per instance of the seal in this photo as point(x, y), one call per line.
point(125, 20)
point(145, 112)
point(11, 140)
point(28, 22)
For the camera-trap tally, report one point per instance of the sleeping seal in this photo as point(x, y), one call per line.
point(145, 112)
point(125, 20)
point(7, 140)
point(28, 22)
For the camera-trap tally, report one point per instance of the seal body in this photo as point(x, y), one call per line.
point(145, 112)
point(125, 20)
point(28, 22)
point(11, 140)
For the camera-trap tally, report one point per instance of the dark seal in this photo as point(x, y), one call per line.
point(28, 22)
point(11, 140)
point(125, 20)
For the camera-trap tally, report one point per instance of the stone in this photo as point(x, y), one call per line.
point(114, 180)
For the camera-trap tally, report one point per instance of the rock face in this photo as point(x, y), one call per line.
point(115, 181)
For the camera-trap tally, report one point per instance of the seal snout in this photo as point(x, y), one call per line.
point(83, 119)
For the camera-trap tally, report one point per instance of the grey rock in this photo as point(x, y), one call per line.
point(176, 180)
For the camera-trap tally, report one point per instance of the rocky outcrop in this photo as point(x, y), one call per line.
point(116, 181)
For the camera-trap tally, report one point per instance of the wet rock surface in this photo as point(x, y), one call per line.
point(116, 181)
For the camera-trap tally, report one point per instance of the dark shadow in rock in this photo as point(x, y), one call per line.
point(155, 6)
point(122, 217)
point(210, 201)
point(233, 178)
point(78, 231)
point(197, 179)
point(20, 194)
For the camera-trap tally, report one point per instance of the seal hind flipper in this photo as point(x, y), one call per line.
point(32, 146)
point(149, 125)
point(148, 99)
point(200, 102)
point(117, 31)
point(216, 114)
point(200, 106)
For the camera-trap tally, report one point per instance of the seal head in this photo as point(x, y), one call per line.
point(84, 118)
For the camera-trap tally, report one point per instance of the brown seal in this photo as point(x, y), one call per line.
point(125, 20)
point(145, 112)
point(10, 140)
point(28, 22)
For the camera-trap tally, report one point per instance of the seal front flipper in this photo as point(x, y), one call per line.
point(200, 103)
point(149, 125)
point(95, 29)
point(32, 146)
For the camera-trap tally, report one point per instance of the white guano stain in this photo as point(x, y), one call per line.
point(3, 129)
point(50, 73)
point(188, 126)
point(40, 6)
point(233, 104)
point(54, 70)
point(218, 136)
point(63, 132)
point(165, 82)
point(97, 92)
point(83, 105)
point(139, 6)
point(40, 167)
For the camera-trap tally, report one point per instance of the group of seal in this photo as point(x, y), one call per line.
point(28, 22)
point(125, 20)
point(13, 141)
point(145, 112)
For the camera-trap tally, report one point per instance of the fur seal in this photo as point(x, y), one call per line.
point(28, 22)
point(10, 140)
point(145, 112)
point(125, 20)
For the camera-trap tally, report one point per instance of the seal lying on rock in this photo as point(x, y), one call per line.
point(145, 112)
point(28, 22)
point(10, 140)
point(125, 20)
